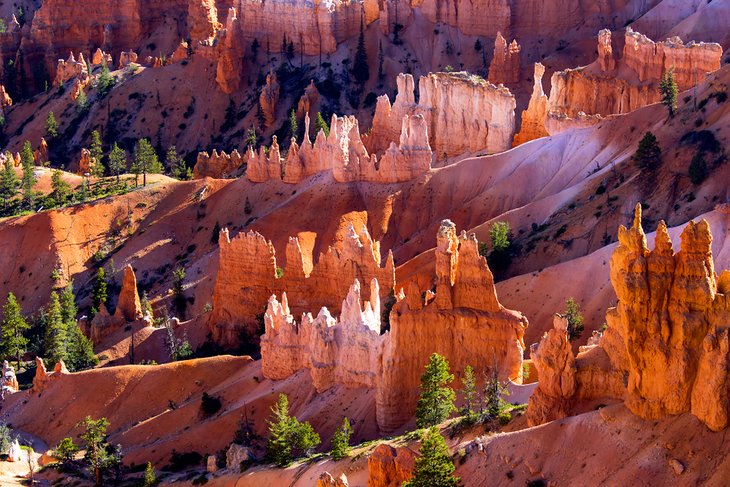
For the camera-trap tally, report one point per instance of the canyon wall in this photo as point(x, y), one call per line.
point(462, 321)
point(464, 114)
point(248, 275)
point(343, 153)
point(667, 339)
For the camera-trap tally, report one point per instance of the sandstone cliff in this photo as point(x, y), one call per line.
point(464, 114)
point(666, 341)
point(343, 153)
point(463, 321)
point(247, 277)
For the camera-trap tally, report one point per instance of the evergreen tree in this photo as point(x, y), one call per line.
point(216, 234)
point(341, 440)
point(575, 319)
point(293, 126)
point(79, 348)
point(320, 124)
point(469, 392)
point(278, 446)
point(82, 102)
point(51, 126)
point(669, 91)
point(648, 155)
point(98, 457)
point(437, 398)
point(117, 161)
point(99, 293)
point(55, 335)
point(28, 181)
point(60, 189)
point(150, 478)
point(97, 154)
point(8, 181)
point(360, 67)
point(434, 467)
point(381, 58)
point(176, 165)
point(251, 137)
point(287, 435)
point(493, 391)
point(145, 160)
point(66, 451)
point(106, 81)
point(12, 340)
point(697, 169)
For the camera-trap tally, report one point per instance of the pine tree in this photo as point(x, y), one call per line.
point(434, 468)
point(320, 124)
point(145, 160)
point(95, 443)
point(469, 392)
point(79, 348)
point(669, 91)
point(150, 478)
point(278, 446)
point(492, 402)
point(341, 440)
point(99, 293)
point(12, 340)
point(97, 154)
point(82, 102)
point(55, 334)
point(60, 189)
point(117, 161)
point(8, 181)
point(381, 58)
point(360, 67)
point(51, 126)
point(648, 155)
point(106, 81)
point(251, 137)
point(293, 126)
point(28, 181)
point(575, 319)
point(437, 398)
point(176, 165)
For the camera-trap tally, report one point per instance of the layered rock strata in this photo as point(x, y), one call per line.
point(667, 339)
point(463, 321)
point(464, 114)
point(247, 277)
point(343, 153)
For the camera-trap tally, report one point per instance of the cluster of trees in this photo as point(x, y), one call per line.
point(55, 333)
point(100, 457)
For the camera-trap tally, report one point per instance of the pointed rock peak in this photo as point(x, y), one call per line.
point(60, 368)
point(637, 218)
point(129, 306)
point(662, 241)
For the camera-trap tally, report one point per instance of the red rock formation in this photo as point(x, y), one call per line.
point(343, 351)
point(464, 322)
point(505, 67)
point(471, 18)
point(247, 277)
point(533, 119)
point(217, 165)
point(269, 98)
point(308, 104)
point(126, 58)
point(464, 113)
point(70, 69)
point(202, 20)
point(668, 335)
point(84, 165)
point(101, 58)
point(129, 309)
point(555, 362)
point(327, 480)
point(344, 153)
point(390, 467)
point(5, 100)
point(608, 87)
point(230, 56)
point(182, 52)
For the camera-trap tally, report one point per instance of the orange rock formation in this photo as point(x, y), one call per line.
point(505, 67)
point(344, 153)
point(666, 342)
point(217, 165)
point(464, 114)
point(533, 119)
point(247, 277)
point(129, 309)
point(464, 322)
point(269, 98)
point(390, 467)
